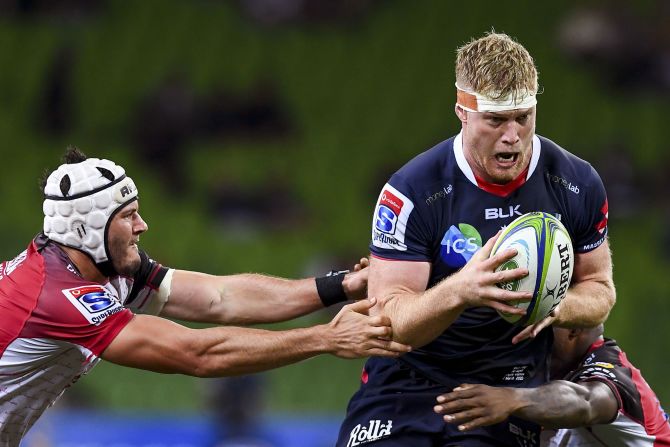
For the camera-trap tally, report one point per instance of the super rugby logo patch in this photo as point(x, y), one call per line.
point(94, 302)
point(390, 219)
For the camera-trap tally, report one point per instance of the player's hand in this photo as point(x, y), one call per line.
point(355, 283)
point(475, 284)
point(534, 329)
point(362, 263)
point(473, 406)
point(353, 333)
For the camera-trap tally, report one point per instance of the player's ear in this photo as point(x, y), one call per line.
point(461, 113)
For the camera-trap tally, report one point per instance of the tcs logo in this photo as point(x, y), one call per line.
point(459, 244)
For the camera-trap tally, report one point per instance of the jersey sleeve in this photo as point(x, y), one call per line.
point(144, 295)
point(601, 372)
point(398, 230)
point(591, 229)
point(604, 365)
point(84, 314)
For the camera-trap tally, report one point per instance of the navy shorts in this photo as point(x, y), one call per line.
point(394, 408)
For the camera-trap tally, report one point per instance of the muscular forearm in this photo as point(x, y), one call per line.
point(236, 351)
point(558, 404)
point(587, 304)
point(253, 298)
point(420, 318)
point(239, 299)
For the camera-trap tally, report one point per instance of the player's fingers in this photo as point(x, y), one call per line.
point(388, 345)
point(459, 392)
point(452, 407)
point(500, 258)
point(523, 335)
point(538, 327)
point(383, 352)
point(533, 330)
point(502, 295)
point(381, 332)
point(504, 276)
point(464, 416)
point(361, 264)
point(476, 423)
point(380, 320)
point(505, 308)
point(362, 306)
point(485, 251)
point(379, 352)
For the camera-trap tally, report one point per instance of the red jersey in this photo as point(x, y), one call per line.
point(54, 325)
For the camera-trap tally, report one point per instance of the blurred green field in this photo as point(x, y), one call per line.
point(363, 99)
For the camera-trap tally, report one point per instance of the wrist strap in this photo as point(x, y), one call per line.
point(330, 287)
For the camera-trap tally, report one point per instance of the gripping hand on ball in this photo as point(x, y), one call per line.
point(477, 283)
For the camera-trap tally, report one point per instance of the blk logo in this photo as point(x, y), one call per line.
point(502, 213)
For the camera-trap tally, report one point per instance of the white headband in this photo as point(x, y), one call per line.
point(79, 216)
point(476, 102)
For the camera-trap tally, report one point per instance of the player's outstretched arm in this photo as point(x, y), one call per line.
point(160, 345)
point(250, 298)
point(419, 315)
point(557, 404)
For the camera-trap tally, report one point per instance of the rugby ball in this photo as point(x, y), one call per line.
point(543, 247)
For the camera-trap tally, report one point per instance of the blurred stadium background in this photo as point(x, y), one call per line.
point(260, 132)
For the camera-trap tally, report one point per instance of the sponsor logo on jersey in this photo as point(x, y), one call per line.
point(388, 211)
point(525, 437)
point(373, 431)
point(459, 244)
point(390, 219)
point(6, 268)
point(563, 182)
point(502, 213)
point(596, 244)
point(441, 194)
point(604, 365)
point(595, 371)
point(94, 302)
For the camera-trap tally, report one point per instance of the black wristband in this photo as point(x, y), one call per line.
point(330, 288)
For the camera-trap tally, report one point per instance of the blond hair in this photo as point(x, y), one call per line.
point(496, 66)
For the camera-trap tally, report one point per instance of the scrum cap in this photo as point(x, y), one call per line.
point(80, 200)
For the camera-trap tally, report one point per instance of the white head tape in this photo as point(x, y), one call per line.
point(476, 102)
point(79, 201)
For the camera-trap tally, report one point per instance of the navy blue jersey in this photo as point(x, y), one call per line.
point(432, 210)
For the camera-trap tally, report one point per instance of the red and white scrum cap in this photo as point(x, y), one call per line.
point(476, 102)
point(80, 200)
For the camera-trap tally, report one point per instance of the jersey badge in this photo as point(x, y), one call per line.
point(94, 302)
point(390, 219)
